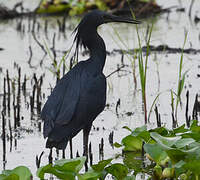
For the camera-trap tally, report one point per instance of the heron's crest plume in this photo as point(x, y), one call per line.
point(78, 41)
point(90, 20)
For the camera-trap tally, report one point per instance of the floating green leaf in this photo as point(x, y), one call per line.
point(194, 135)
point(23, 172)
point(138, 130)
point(7, 172)
point(176, 155)
point(160, 130)
point(49, 169)
point(101, 165)
point(193, 166)
point(90, 175)
point(119, 171)
point(180, 129)
point(142, 133)
point(195, 129)
point(132, 143)
point(9, 177)
point(18, 173)
point(73, 165)
point(181, 143)
point(156, 153)
point(165, 142)
point(133, 161)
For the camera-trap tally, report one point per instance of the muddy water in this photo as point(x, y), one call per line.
point(162, 76)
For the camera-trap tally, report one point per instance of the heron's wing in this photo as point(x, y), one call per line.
point(62, 102)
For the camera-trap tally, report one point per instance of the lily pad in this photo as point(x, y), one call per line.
point(138, 130)
point(20, 173)
point(193, 166)
point(180, 129)
point(9, 177)
point(194, 135)
point(132, 143)
point(119, 171)
point(176, 155)
point(160, 130)
point(49, 169)
point(156, 153)
point(181, 143)
point(133, 161)
point(90, 175)
point(101, 165)
point(63, 168)
point(74, 165)
point(165, 142)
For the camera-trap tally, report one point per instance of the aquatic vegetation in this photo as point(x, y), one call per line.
point(73, 7)
point(181, 80)
point(158, 153)
point(170, 153)
point(18, 173)
point(143, 69)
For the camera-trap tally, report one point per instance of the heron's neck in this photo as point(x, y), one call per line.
point(97, 48)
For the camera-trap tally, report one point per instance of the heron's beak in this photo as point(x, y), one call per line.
point(112, 18)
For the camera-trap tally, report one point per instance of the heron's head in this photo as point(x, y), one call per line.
point(92, 20)
point(95, 18)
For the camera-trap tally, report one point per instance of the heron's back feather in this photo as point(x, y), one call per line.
point(62, 102)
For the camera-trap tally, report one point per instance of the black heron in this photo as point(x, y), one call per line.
point(80, 96)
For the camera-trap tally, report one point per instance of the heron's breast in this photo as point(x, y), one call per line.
point(92, 98)
point(93, 89)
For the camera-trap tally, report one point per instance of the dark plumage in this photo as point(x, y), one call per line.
point(80, 95)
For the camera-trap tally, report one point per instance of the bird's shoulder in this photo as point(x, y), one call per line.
point(74, 72)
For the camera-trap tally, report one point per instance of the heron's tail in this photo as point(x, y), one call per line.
point(57, 144)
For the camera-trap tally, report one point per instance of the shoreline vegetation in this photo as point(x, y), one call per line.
point(140, 8)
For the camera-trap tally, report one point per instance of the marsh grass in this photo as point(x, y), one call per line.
point(142, 65)
point(56, 65)
point(143, 68)
point(181, 82)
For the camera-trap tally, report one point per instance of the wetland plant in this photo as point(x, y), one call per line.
point(143, 65)
point(56, 65)
point(143, 62)
point(143, 69)
point(157, 153)
point(181, 82)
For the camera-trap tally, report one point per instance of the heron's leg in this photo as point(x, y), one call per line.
point(86, 132)
point(63, 153)
point(50, 157)
point(71, 151)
